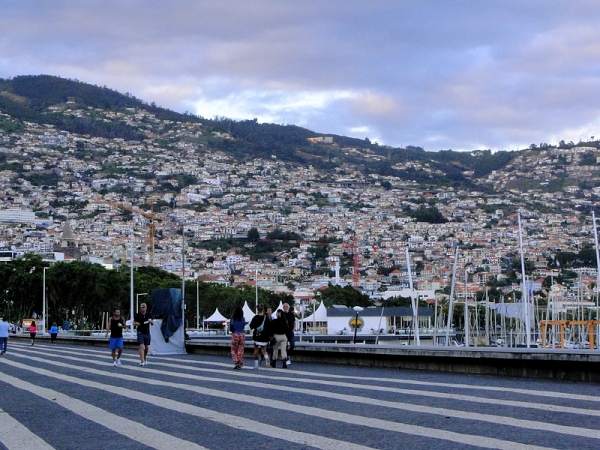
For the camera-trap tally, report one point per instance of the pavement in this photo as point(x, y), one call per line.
point(71, 397)
point(535, 362)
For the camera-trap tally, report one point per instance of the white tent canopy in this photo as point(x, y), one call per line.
point(248, 314)
point(216, 317)
point(320, 315)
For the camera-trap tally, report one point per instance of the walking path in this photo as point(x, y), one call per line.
point(71, 397)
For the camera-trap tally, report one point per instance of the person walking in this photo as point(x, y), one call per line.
point(269, 313)
point(53, 333)
point(115, 326)
point(4, 328)
point(143, 320)
point(291, 337)
point(280, 330)
point(32, 331)
point(261, 333)
point(238, 337)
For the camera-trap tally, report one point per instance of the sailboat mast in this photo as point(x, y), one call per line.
point(451, 304)
point(525, 296)
point(415, 304)
point(597, 274)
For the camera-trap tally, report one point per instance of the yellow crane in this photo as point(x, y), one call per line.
point(151, 218)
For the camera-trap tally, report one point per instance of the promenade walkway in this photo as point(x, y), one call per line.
point(71, 397)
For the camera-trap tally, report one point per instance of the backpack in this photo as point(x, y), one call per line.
point(260, 328)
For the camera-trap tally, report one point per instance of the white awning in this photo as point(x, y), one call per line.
point(216, 317)
point(320, 315)
point(248, 314)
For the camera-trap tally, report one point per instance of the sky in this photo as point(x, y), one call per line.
point(452, 74)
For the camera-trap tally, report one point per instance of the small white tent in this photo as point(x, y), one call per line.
point(320, 315)
point(216, 317)
point(316, 320)
point(248, 314)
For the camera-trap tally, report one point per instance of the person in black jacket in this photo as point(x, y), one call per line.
point(269, 313)
point(280, 329)
point(291, 321)
point(143, 320)
point(261, 333)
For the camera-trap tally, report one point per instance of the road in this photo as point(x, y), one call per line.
point(71, 397)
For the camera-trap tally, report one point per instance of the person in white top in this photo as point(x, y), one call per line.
point(4, 328)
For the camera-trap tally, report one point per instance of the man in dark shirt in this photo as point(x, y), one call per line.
point(291, 321)
point(115, 326)
point(143, 320)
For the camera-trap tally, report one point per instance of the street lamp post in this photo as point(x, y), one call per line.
point(8, 303)
point(132, 312)
point(256, 291)
point(137, 299)
point(183, 284)
point(357, 309)
point(44, 301)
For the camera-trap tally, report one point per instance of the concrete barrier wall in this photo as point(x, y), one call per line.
point(556, 364)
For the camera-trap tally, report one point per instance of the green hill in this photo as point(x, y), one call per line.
point(34, 99)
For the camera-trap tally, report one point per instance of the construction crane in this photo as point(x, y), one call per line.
point(151, 218)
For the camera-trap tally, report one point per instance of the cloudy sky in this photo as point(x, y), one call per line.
point(451, 74)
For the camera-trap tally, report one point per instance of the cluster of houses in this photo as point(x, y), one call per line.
point(102, 202)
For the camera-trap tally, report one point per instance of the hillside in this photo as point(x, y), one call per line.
point(35, 98)
point(88, 110)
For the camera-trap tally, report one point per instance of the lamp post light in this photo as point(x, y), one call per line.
point(137, 299)
point(8, 303)
point(44, 300)
point(357, 309)
point(256, 291)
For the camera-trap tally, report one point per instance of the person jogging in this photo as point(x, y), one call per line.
point(143, 321)
point(115, 326)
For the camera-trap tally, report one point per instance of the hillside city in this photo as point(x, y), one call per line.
point(107, 190)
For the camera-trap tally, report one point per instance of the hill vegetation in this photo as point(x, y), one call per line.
point(31, 98)
point(42, 98)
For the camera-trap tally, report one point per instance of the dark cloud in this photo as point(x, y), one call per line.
point(439, 74)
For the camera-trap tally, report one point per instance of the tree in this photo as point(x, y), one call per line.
point(253, 235)
point(430, 215)
point(347, 295)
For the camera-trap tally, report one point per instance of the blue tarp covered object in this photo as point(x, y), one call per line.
point(166, 305)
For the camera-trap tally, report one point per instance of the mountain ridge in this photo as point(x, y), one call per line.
point(51, 100)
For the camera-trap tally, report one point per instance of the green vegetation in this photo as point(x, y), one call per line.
point(40, 179)
point(32, 95)
point(8, 125)
point(27, 98)
point(586, 257)
point(427, 214)
point(81, 292)
point(347, 295)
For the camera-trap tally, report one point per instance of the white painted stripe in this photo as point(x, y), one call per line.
point(15, 436)
point(365, 380)
point(353, 386)
point(575, 431)
point(236, 422)
point(460, 414)
point(500, 402)
point(480, 441)
point(133, 430)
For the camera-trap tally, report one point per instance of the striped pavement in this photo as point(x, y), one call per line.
point(71, 397)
